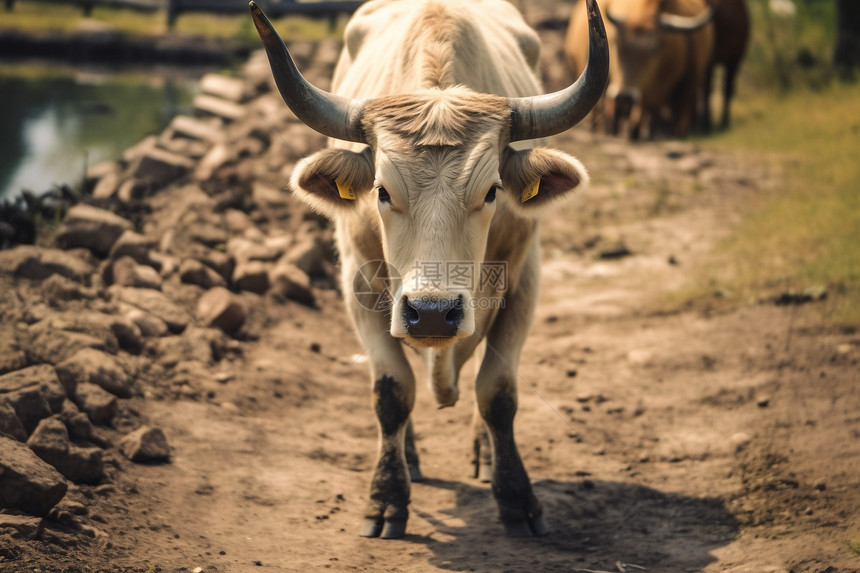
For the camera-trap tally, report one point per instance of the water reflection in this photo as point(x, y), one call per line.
point(54, 124)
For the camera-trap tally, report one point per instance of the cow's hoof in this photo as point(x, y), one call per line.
point(415, 473)
point(394, 529)
point(535, 527)
point(384, 529)
point(485, 473)
point(372, 527)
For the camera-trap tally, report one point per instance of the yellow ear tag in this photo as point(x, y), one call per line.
point(530, 191)
point(345, 191)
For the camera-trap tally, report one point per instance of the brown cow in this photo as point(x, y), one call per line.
point(660, 51)
point(731, 36)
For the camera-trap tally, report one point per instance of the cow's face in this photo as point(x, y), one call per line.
point(635, 42)
point(437, 172)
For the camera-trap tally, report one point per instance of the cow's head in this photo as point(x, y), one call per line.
point(436, 165)
point(637, 39)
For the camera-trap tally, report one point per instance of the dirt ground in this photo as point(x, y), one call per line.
point(707, 438)
point(702, 439)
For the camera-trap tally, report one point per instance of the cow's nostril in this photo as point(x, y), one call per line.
point(410, 314)
point(455, 315)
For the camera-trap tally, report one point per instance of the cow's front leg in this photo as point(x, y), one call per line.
point(393, 395)
point(389, 491)
point(496, 388)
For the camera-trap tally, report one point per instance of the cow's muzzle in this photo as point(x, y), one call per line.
point(426, 317)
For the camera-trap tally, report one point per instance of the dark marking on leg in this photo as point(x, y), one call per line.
point(412, 455)
point(389, 491)
point(519, 509)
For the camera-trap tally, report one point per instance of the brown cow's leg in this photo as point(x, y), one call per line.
point(520, 511)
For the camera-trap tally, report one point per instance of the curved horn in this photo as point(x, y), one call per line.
point(615, 19)
point(678, 23)
point(330, 114)
point(545, 115)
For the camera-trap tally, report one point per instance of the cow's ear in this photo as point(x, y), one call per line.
point(331, 180)
point(536, 179)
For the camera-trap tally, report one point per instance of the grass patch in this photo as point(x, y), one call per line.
point(793, 113)
point(41, 17)
point(807, 231)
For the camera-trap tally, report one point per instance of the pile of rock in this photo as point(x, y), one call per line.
point(154, 277)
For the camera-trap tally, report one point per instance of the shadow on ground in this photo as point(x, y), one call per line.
point(593, 525)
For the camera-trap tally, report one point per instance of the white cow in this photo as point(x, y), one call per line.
point(436, 212)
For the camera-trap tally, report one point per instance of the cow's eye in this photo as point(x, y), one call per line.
point(384, 197)
point(491, 194)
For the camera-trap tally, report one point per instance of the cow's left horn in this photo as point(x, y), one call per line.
point(327, 113)
point(545, 115)
point(678, 23)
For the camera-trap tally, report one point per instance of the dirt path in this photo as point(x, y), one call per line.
point(691, 440)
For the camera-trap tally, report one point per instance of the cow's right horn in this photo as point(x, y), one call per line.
point(678, 23)
point(549, 114)
point(327, 113)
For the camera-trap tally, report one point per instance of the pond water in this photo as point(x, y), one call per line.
point(55, 122)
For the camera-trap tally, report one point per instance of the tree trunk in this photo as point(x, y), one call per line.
point(847, 52)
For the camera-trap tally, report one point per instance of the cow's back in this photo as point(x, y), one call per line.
point(402, 46)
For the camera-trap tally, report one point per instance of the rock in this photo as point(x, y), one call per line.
point(204, 345)
point(128, 334)
point(252, 276)
point(222, 263)
point(220, 308)
point(11, 357)
point(149, 325)
point(138, 150)
point(216, 158)
point(268, 196)
point(59, 288)
point(52, 346)
point(51, 442)
point(208, 234)
point(77, 423)
point(95, 367)
point(237, 221)
point(227, 88)
point(25, 526)
point(291, 282)
point(194, 272)
point(107, 186)
point(91, 228)
point(127, 273)
point(133, 190)
point(308, 255)
point(195, 128)
point(26, 482)
point(210, 105)
point(33, 392)
point(10, 423)
point(134, 245)
point(99, 405)
point(29, 262)
point(158, 167)
point(243, 250)
point(155, 303)
point(146, 444)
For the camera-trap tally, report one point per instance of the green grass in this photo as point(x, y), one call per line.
point(806, 231)
point(37, 16)
point(792, 112)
